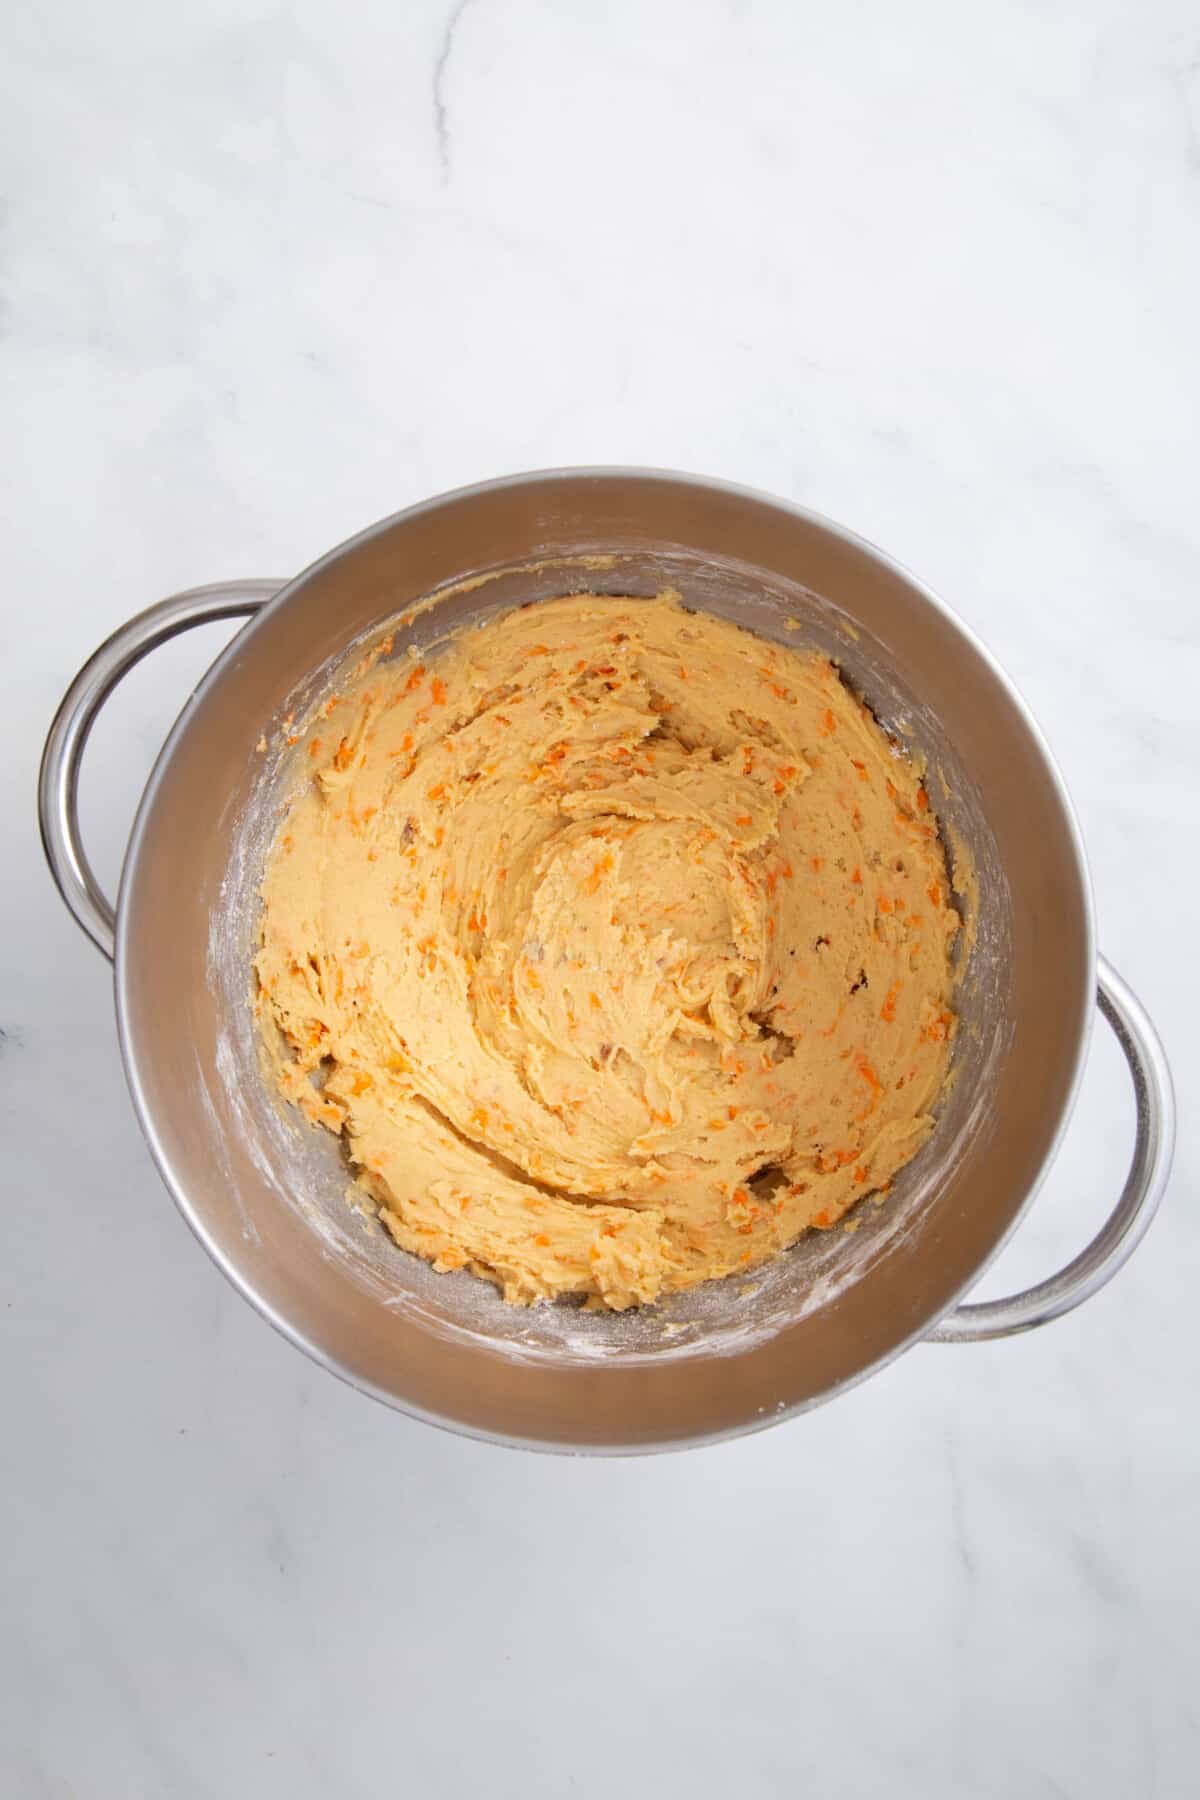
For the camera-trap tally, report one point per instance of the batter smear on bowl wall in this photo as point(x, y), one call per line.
point(618, 944)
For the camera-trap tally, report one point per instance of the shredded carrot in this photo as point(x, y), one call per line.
point(934, 890)
point(438, 690)
point(884, 904)
point(836, 1159)
point(828, 722)
point(836, 1021)
point(872, 1080)
point(599, 870)
point(415, 679)
point(922, 800)
point(888, 1010)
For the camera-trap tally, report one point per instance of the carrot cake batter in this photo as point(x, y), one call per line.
point(616, 942)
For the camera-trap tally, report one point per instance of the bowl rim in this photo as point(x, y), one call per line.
point(125, 951)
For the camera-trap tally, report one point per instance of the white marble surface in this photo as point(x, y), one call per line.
point(271, 272)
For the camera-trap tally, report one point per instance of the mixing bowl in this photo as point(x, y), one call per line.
point(266, 1193)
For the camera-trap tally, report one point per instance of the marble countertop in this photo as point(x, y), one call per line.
point(273, 272)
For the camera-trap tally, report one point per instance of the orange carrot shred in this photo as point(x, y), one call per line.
point(599, 870)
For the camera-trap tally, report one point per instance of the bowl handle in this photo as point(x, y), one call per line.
point(1123, 1231)
point(58, 779)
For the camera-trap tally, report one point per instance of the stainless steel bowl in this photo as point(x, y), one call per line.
point(265, 1193)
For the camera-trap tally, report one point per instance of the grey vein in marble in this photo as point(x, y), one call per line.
point(441, 67)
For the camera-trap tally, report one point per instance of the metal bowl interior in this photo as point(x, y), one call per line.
point(267, 1194)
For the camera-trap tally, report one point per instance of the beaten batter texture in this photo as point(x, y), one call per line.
point(616, 942)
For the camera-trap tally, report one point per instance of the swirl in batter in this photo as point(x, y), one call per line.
point(617, 942)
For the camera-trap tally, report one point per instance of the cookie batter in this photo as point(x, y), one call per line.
point(617, 943)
